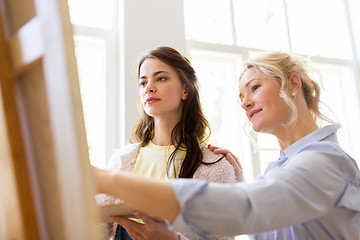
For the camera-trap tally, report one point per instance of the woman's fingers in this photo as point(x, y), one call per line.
point(233, 160)
point(225, 152)
point(144, 217)
point(147, 219)
point(218, 150)
point(237, 167)
point(212, 148)
point(152, 228)
point(134, 229)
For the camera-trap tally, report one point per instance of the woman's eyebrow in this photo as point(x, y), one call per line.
point(250, 82)
point(247, 84)
point(154, 74)
point(158, 72)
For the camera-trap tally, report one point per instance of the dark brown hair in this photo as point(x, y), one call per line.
point(193, 129)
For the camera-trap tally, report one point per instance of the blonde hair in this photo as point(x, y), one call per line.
point(281, 66)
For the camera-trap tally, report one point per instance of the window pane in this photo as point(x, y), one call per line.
point(91, 59)
point(267, 141)
point(261, 24)
point(354, 6)
point(218, 90)
point(340, 95)
point(268, 148)
point(218, 82)
point(319, 28)
point(208, 21)
point(91, 13)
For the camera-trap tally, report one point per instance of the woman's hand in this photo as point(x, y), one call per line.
point(233, 160)
point(151, 229)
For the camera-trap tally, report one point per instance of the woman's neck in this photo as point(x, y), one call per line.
point(304, 125)
point(296, 132)
point(162, 131)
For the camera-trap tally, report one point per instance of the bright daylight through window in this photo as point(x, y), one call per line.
point(220, 35)
point(95, 30)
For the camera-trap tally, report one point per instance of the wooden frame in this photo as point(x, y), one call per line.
point(47, 187)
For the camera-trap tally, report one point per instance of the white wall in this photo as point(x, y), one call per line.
point(145, 26)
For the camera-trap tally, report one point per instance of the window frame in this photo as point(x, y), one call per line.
point(112, 83)
point(245, 52)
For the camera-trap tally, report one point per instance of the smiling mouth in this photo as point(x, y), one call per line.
point(252, 113)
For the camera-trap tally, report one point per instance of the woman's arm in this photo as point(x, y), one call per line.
point(310, 185)
point(152, 196)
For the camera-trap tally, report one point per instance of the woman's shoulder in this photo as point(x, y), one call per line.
point(127, 149)
point(215, 168)
point(324, 163)
point(124, 158)
point(209, 156)
point(322, 154)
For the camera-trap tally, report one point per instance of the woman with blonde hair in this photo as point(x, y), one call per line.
point(169, 140)
point(311, 192)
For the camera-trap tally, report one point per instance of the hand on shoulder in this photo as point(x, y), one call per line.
point(233, 160)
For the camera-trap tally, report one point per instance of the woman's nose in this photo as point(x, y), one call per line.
point(150, 87)
point(246, 103)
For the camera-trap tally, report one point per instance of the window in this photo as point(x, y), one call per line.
point(260, 27)
point(220, 34)
point(211, 23)
point(326, 36)
point(95, 36)
point(91, 58)
point(219, 98)
point(92, 13)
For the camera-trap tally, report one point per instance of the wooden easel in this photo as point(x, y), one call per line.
point(46, 184)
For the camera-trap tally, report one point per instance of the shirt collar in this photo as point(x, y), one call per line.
point(315, 136)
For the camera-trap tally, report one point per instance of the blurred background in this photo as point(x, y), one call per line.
point(217, 36)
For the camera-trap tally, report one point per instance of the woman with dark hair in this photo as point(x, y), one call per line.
point(169, 141)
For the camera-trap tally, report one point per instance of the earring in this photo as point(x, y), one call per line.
point(293, 94)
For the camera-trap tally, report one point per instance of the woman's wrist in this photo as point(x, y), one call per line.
point(105, 179)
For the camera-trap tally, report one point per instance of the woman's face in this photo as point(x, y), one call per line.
point(260, 98)
point(161, 91)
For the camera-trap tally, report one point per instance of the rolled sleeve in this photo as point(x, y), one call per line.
point(185, 191)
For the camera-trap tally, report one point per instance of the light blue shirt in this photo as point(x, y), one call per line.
point(311, 192)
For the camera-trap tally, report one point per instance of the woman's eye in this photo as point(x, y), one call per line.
point(160, 79)
point(142, 84)
point(255, 87)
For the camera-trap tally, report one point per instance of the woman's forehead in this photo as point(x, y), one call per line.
point(248, 75)
point(151, 65)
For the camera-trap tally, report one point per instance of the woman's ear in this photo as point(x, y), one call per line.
point(296, 83)
point(185, 92)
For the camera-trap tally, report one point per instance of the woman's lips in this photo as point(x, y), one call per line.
point(253, 112)
point(152, 100)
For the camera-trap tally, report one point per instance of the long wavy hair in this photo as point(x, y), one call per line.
point(192, 131)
